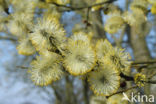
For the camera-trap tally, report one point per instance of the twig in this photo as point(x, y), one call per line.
point(52, 43)
point(22, 67)
point(58, 96)
point(87, 18)
point(127, 78)
point(80, 8)
point(151, 76)
point(122, 91)
point(144, 62)
point(151, 82)
point(130, 78)
point(7, 38)
point(85, 91)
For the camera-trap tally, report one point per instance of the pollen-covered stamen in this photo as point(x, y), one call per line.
point(25, 47)
point(102, 48)
point(119, 58)
point(140, 79)
point(116, 60)
point(79, 58)
point(46, 68)
point(105, 80)
point(45, 28)
point(114, 23)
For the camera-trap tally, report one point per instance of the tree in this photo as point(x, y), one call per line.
point(88, 54)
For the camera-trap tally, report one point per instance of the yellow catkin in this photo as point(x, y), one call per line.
point(153, 9)
point(140, 79)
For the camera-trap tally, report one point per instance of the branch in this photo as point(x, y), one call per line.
point(130, 78)
point(144, 62)
point(122, 91)
point(85, 91)
point(150, 82)
point(7, 38)
point(127, 78)
point(52, 43)
point(22, 67)
point(80, 8)
point(87, 18)
point(57, 95)
point(152, 75)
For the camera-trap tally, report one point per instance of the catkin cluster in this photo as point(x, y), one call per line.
point(42, 35)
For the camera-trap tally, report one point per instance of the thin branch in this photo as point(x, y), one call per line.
point(85, 91)
point(7, 38)
point(84, 7)
point(58, 96)
point(22, 67)
point(151, 76)
point(52, 43)
point(122, 91)
point(127, 78)
point(151, 82)
point(130, 78)
point(87, 18)
point(144, 62)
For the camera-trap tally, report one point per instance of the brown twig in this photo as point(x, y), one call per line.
point(84, 7)
point(22, 67)
point(85, 91)
point(151, 82)
point(87, 18)
point(7, 38)
point(127, 78)
point(57, 94)
point(130, 78)
point(144, 62)
point(122, 91)
point(151, 76)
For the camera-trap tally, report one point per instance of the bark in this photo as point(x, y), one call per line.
point(139, 46)
point(97, 25)
point(85, 91)
point(140, 51)
point(70, 97)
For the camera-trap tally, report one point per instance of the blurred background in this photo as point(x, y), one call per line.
point(15, 84)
